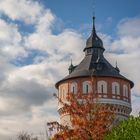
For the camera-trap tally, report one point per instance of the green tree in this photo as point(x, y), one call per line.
point(127, 130)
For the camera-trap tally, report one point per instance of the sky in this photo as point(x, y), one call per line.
point(38, 38)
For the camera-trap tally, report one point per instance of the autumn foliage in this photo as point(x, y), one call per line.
point(90, 119)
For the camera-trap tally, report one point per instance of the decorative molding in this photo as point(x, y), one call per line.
point(114, 101)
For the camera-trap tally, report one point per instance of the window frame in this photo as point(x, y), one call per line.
point(86, 87)
point(125, 91)
point(115, 88)
point(102, 87)
point(73, 87)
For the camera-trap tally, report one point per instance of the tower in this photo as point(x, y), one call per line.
point(111, 87)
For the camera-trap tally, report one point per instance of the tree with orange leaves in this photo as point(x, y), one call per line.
point(90, 119)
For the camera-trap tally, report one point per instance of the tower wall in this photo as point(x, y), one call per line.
point(95, 75)
point(104, 87)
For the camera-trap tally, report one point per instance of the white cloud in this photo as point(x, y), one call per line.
point(24, 89)
point(25, 92)
point(24, 10)
point(129, 27)
point(8, 31)
point(10, 40)
point(29, 122)
point(58, 47)
point(45, 22)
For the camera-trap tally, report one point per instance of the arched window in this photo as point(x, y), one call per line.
point(73, 87)
point(125, 90)
point(115, 88)
point(102, 86)
point(86, 87)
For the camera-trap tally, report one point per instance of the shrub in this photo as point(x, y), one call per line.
point(127, 130)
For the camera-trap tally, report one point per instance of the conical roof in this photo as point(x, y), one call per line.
point(94, 40)
point(94, 62)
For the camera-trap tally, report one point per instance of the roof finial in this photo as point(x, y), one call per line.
point(93, 6)
point(116, 64)
point(117, 67)
point(93, 28)
point(71, 67)
point(71, 61)
point(93, 16)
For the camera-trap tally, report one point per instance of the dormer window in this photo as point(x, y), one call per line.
point(89, 51)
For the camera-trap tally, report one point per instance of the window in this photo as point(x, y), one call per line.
point(73, 87)
point(125, 90)
point(86, 87)
point(89, 51)
point(87, 90)
point(115, 88)
point(102, 86)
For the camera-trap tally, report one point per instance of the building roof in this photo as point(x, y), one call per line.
point(94, 62)
point(94, 40)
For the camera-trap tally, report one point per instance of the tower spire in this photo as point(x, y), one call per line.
point(94, 41)
point(93, 8)
point(71, 61)
point(93, 34)
point(116, 64)
point(93, 26)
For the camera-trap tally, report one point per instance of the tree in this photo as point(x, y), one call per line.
point(26, 136)
point(126, 130)
point(90, 119)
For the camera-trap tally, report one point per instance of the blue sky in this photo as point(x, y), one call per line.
point(38, 38)
point(74, 13)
